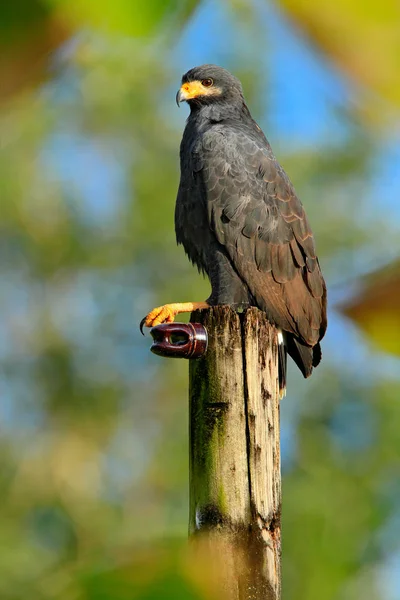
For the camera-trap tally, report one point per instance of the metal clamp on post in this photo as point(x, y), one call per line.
point(179, 340)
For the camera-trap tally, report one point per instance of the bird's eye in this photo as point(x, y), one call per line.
point(207, 82)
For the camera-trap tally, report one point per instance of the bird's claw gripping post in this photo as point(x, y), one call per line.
point(179, 340)
point(141, 325)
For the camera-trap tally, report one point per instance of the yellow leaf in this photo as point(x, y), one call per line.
point(376, 309)
point(361, 37)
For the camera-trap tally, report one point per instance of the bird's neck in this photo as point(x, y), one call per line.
point(218, 112)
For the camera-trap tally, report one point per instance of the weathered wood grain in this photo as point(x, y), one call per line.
point(235, 489)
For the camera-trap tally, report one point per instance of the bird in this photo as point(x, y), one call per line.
point(241, 222)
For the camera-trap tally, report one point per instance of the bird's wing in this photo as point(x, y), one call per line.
point(255, 214)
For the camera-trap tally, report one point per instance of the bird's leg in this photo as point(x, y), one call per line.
point(168, 312)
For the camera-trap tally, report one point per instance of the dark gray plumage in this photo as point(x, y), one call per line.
point(240, 221)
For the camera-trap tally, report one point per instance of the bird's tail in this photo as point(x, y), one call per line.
point(305, 357)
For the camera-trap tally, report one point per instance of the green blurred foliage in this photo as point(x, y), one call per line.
point(130, 17)
point(93, 446)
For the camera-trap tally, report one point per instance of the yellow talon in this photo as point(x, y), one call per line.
point(168, 312)
point(161, 314)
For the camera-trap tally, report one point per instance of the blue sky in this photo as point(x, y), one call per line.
point(302, 89)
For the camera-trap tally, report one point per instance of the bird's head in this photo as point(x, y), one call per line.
point(209, 84)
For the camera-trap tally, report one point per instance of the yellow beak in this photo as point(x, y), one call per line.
point(190, 90)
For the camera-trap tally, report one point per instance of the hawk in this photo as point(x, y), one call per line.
point(240, 221)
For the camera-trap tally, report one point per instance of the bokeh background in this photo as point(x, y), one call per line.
point(93, 428)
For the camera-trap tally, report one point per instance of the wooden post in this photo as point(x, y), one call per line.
point(235, 480)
